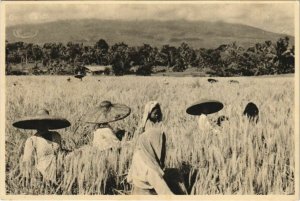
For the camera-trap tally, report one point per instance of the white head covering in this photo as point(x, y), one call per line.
point(148, 109)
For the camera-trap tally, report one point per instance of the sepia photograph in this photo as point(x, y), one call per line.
point(150, 98)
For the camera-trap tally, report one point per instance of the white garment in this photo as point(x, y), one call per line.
point(144, 177)
point(44, 153)
point(104, 138)
point(203, 122)
point(205, 125)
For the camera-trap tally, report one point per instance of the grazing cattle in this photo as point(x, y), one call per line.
point(234, 82)
point(69, 79)
point(210, 80)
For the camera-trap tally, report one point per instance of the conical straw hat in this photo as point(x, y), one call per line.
point(204, 106)
point(107, 112)
point(42, 118)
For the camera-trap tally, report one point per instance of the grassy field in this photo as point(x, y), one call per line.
point(241, 159)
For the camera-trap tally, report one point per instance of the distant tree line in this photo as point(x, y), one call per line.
point(226, 60)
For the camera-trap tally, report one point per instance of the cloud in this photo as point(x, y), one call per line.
point(276, 17)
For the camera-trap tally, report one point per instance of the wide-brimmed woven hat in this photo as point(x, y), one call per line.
point(204, 106)
point(42, 118)
point(107, 112)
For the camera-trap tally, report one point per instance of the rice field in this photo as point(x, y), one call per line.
point(241, 159)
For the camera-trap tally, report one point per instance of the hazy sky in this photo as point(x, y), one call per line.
point(275, 17)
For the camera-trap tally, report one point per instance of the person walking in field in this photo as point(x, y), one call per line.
point(41, 149)
point(106, 112)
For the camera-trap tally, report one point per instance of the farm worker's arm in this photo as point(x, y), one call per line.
point(159, 184)
point(27, 161)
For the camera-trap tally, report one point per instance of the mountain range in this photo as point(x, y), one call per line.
point(198, 34)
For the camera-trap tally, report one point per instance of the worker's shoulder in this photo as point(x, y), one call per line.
point(104, 131)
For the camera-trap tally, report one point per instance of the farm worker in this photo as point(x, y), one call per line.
point(104, 135)
point(146, 171)
point(251, 111)
point(41, 149)
point(202, 108)
point(152, 116)
point(152, 120)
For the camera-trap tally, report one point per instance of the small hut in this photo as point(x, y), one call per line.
point(98, 70)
